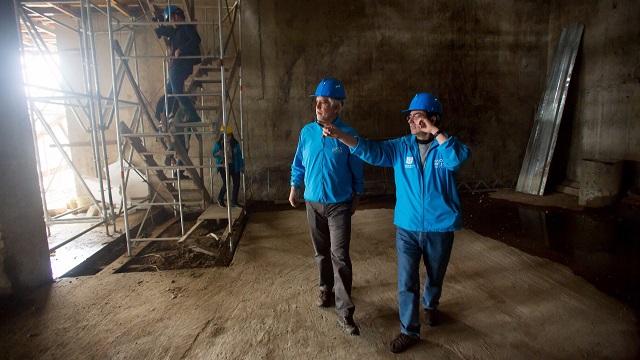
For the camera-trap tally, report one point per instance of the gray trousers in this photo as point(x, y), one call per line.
point(330, 227)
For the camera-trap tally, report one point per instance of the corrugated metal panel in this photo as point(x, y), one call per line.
point(542, 141)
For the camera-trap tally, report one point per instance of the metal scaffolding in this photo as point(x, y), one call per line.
point(216, 83)
point(217, 103)
point(86, 106)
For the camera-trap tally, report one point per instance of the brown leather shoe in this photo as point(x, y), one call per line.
point(432, 317)
point(402, 342)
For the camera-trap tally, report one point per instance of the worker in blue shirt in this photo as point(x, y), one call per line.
point(427, 208)
point(235, 162)
point(333, 179)
point(184, 47)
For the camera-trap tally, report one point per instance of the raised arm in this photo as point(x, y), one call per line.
point(164, 30)
point(454, 153)
point(378, 153)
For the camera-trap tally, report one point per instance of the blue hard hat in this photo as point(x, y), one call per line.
point(170, 10)
point(425, 102)
point(331, 87)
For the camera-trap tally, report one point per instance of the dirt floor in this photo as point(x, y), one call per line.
point(201, 250)
point(499, 303)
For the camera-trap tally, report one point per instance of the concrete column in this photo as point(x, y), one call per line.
point(599, 182)
point(22, 229)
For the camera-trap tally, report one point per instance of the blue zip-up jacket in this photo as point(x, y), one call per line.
point(236, 160)
point(426, 197)
point(330, 173)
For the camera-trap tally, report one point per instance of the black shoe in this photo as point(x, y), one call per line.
point(325, 299)
point(348, 325)
point(402, 342)
point(221, 203)
point(432, 317)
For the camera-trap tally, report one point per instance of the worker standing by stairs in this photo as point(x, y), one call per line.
point(236, 164)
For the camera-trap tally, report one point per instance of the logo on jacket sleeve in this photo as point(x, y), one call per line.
point(408, 163)
point(438, 163)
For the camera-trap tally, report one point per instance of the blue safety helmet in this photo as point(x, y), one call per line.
point(331, 87)
point(425, 102)
point(170, 10)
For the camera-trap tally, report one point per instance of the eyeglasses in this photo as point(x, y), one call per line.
point(410, 117)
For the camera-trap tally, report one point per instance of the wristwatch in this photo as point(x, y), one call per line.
point(437, 133)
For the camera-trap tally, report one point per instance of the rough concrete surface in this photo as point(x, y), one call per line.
point(603, 104)
point(499, 303)
point(5, 284)
point(486, 60)
point(27, 257)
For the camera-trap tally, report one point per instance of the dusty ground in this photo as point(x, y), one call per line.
point(201, 250)
point(500, 303)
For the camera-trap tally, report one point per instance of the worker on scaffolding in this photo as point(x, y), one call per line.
point(427, 206)
point(184, 47)
point(234, 160)
point(182, 138)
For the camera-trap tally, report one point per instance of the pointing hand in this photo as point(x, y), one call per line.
point(332, 131)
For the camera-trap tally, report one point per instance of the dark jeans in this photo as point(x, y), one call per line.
point(235, 177)
point(412, 246)
point(330, 226)
point(178, 73)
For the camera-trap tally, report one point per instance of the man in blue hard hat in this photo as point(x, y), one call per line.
point(427, 208)
point(333, 180)
point(184, 47)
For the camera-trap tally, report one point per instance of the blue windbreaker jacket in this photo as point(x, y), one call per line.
point(330, 173)
point(237, 161)
point(426, 197)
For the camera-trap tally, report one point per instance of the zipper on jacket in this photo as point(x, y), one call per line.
point(324, 159)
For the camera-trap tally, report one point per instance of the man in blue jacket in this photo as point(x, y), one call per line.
point(333, 179)
point(235, 162)
point(427, 208)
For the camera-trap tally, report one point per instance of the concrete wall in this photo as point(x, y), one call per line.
point(21, 218)
point(485, 59)
point(605, 88)
point(5, 284)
